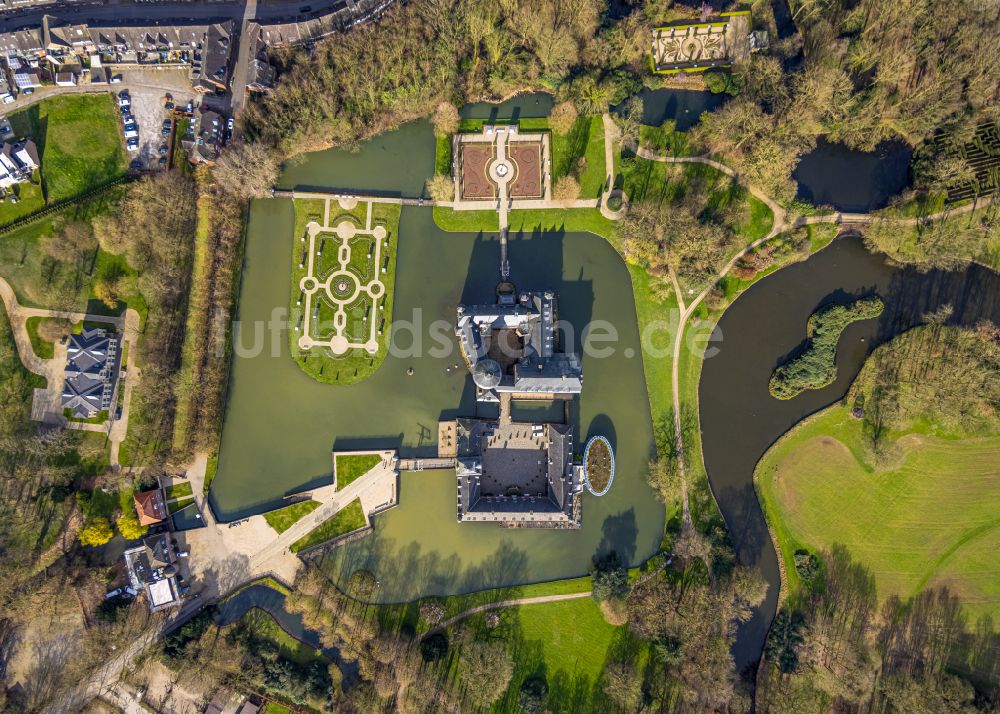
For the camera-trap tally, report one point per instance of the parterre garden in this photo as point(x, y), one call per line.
point(364, 312)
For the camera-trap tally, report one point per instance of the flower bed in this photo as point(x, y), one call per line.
point(598, 465)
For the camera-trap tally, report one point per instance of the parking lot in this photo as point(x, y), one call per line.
point(149, 114)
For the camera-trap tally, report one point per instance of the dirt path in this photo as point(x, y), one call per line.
point(444, 624)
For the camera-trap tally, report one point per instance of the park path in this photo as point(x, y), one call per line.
point(782, 221)
point(46, 403)
point(444, 624)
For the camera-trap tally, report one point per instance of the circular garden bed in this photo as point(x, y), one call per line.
point(598, 465)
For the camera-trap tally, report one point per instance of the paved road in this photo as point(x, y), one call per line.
point(139, 13)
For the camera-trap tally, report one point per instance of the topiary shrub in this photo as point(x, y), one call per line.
point(534, 690)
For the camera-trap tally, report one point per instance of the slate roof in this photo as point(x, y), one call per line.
point(92, 360)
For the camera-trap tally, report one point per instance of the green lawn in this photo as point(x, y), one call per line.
point(585, 141)
point(551, 220)
point(283, 518)
point(318, 362)
point(31, 198)
point(573, 636)
point(42, 347)
point(930, 520)
point(290, 647)
point(39, 281)
point(348, 519)
point(179, 490)
point(350, 466)
point(78, 141)
point(179, 504)
point(275, 708)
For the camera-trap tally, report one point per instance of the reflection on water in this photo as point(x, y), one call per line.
point(281, 424)
point(850, 180)
point(740, 419)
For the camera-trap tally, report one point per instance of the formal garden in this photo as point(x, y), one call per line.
point(343, 271)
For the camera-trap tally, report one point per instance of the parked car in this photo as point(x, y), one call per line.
point(162, 161)
point(163, 150)
point(129, 590)
point(113, 594)
point(168, 106)
point(136, 164)
point(125, 110)
point(123, 93)
point(27, 91)
point(8, 99)
point(132, 145)
point(165, 131)
point(230, 124)
point(124, 102)
point(132, 134)
point(190, 106)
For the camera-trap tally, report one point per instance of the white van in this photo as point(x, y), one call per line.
point(131, 133)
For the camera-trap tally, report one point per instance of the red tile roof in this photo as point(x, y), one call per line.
point(150, 507)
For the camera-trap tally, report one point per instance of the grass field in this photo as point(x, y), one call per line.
point(283, 518)
point(351, 466)
point(39, 281)
point(348, 519)
point(930, 520)
point(78, 141)
point(580, 650)
point(30, 196)
point(179, 490)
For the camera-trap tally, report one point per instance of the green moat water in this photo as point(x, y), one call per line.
point(281, 424)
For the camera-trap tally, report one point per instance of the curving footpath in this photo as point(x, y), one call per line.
point(444, 624)
point(780, 223)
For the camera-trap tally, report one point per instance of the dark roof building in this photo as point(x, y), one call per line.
point(151, 568)
point(517, 474)
point(92, 361)
point(210, 71)
point(512, 347)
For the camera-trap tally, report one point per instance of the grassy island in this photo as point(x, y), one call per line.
point(341, 291)
point(903, 474)
point(816, 366)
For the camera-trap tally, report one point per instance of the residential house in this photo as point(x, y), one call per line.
point(204, 148)
point(6, 94)
point(27, 78)
point(26, 42)
point(260, 76)
point(93, 359)
point(17, 161)
point(150, 507)
point(210, 67)
point(151, 568)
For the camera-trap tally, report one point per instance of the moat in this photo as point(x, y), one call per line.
point(281, 424)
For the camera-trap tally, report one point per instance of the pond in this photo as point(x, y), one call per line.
point(265, 598)
point(281, 424)
point(684, 106)
point(739, 418)
point(851, 180)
